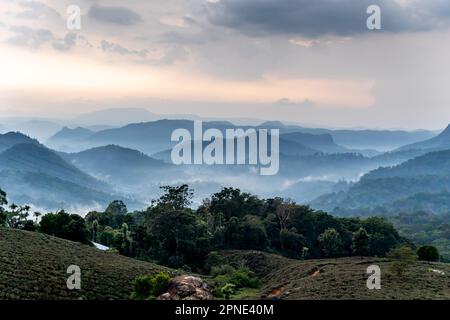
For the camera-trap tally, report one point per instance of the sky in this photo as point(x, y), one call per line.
point(305, 61)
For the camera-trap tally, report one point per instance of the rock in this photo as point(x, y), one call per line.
point(187, 288)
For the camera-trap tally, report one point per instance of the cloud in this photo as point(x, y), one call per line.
point(317, 18)
point(114, 15)
point(31, 38)
point(37, 10)
point(67, 42)
point(286, 102)
point(107, 46)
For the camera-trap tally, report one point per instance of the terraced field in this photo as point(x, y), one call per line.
point(34, 266)
point(343, 278)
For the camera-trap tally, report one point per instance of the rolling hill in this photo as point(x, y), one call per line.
point(34, 265)
point(440, 142)
point(35, 175)
point(10, 139)
point(117, 164)
point(409, 186)
point(105, 275)
point(343, 278)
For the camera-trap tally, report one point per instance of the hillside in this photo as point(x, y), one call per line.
point(68, 134)
point(37, 158)
point(440, 142)
point(343, 278)
point(408, 187)
point(33, 266)
point(10, 139)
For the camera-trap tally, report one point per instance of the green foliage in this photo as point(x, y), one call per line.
point(149, 287)
point(117, 207)
point(3, 202)
point(403, 257)
point(426, 229)
point(330, 243)
point(64, 225)
point(361, 242)
point(225, 276)
point(428, 253)
point(292, 243)
point(175, 198)
point(227, 290)
point(213, 259)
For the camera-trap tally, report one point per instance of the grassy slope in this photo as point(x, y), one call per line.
point(343, 278)
point(33, 266)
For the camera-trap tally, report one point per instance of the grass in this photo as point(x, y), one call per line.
point(34, 265)
point(343, 278)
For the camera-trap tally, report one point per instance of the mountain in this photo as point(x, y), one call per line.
point(118, 165)
point(48, 193)
point(67, 134)
point(440, 142)
point(408, 186)
point(67, 139)
point(433, 163)
point(10, 139)
point(320, 142)
point(115, 117)
point(37, 158)
point(40, 129)
point(33, 174)
point(382, 140)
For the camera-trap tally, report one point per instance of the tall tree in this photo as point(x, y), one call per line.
point(330, 243)
point(361, 242)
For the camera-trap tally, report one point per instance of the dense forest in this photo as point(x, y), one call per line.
point(172, 233)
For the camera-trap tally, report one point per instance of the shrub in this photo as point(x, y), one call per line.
point(428, 253)
point(224, 269)
point(232, 280)
point(212, 259)
point(149, 286)
point(403, 257)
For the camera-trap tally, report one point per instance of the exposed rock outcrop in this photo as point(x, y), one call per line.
point(187, 288)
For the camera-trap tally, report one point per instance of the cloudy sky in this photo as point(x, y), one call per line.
point(306, 61)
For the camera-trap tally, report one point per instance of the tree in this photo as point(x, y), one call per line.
point(126, 246)
point(177, 197)
point(292, 243)
point(64, 225)
point(361, 242)
point(94, 230)
point(403, 257)
point(36, 215)
point(284, 209)
point(3, 202)
point(117, 207)
point(428, 253)
point(17, 216)
point(330, 243)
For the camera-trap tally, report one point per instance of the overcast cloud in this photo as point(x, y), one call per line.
point(300, 60)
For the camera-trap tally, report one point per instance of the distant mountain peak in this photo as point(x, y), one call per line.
point(446, 132)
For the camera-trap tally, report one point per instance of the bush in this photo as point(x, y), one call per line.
point(212, 259)
point(428, 253)
point(403, 257)
point(222, 270)
point(148, 287)
point(232, 280)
